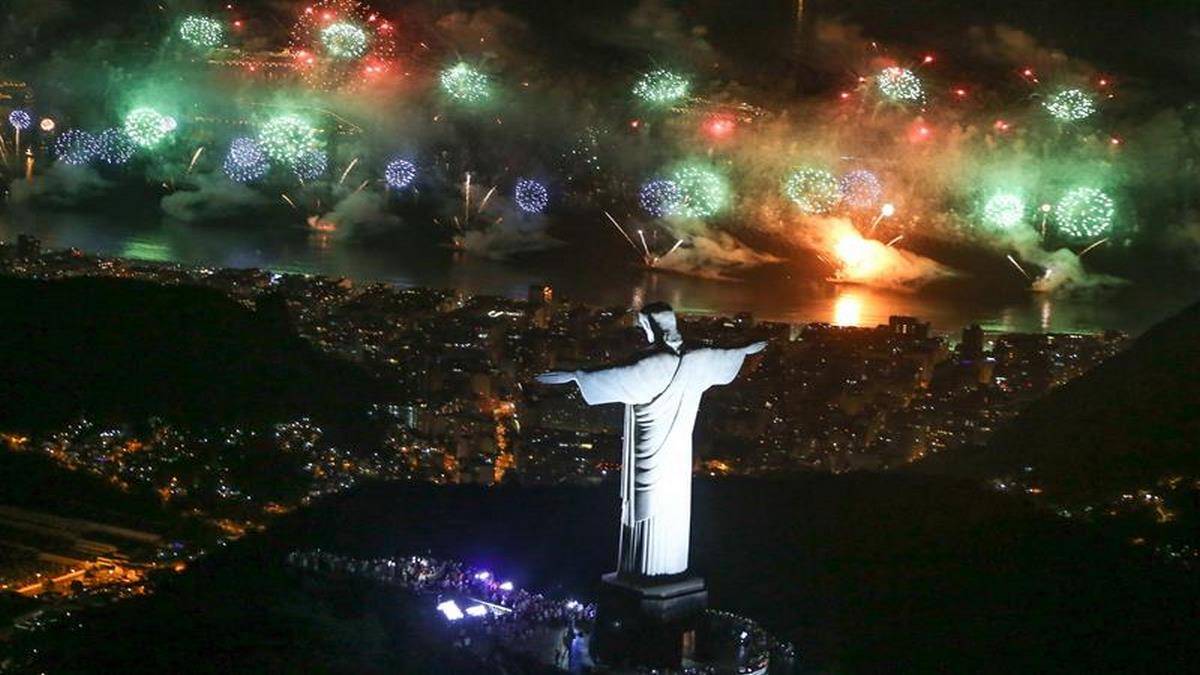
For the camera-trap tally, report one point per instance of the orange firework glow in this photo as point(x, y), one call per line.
point(319, 224)
point(860, 258)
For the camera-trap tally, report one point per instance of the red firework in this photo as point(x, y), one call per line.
point(325, 70)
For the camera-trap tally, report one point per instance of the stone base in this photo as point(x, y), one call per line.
point(643, 622)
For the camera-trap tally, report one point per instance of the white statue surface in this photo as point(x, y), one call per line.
point(661, 390)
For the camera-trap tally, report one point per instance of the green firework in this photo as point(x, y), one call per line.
point(1084, 213)
point(147, 127)
point(202, 31)
point(900, 84)
point(703, 190)
point(1070, 105)
point(815, 191)
point(662, 87)
point(1004, 210)
point(462, 82)
point(344, 40)
point(288, 139)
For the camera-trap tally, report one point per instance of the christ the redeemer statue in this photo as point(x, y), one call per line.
point(661, 390)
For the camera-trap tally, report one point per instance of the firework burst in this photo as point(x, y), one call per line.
point(76, 147)
point(344, 41)
point(661, 198)
point(399, 173)
point(661, 87)
point(815, 191)
point(1004, 211)
point(340, 42)
point(1070, 105)
point(704, 191)
point(1084, 213)
point(311, 164)
point(900, 85)
point(288, 139)
point(20, 120)
point(147, 127)
point(860, 189)
point(202, 31)
point(465, 84)
point(115, 147)
point(246, 161)
point(531, 196)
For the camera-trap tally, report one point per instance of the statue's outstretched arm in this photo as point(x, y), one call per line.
point(754, 347)
point(635, 382)
point(558, 377)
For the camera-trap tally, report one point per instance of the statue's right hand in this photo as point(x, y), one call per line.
point(556, 377)
point(754, 347)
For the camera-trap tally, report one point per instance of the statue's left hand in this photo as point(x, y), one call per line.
point(556, 377)
point(754, 347)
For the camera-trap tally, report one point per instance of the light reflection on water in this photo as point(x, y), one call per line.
point(848, 308)
point(599, 282)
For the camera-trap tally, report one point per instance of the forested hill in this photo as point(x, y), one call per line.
point(123, 350)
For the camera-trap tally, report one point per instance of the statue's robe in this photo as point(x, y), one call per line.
point(661, 392)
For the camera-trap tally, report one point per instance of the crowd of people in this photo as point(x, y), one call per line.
point(520, 616)
point(539, 628)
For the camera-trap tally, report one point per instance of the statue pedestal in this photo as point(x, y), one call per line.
point(642, 622)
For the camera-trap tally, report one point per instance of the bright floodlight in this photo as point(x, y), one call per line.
point(888, 210)
point(477, 611)
point(506, 586)
point(450, 610)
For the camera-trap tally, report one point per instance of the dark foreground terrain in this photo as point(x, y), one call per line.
point(865, 573)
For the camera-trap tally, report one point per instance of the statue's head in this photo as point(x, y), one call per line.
point(658, 321)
